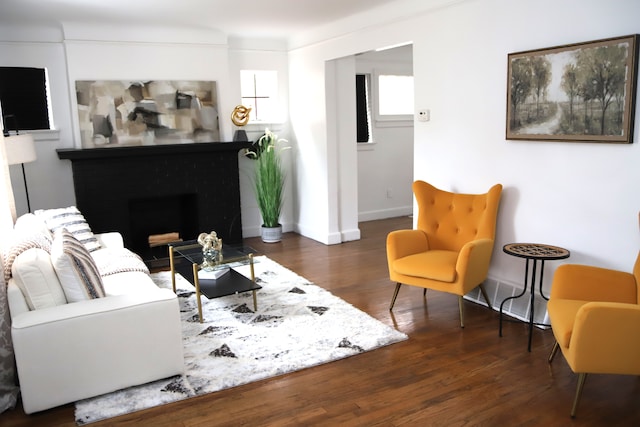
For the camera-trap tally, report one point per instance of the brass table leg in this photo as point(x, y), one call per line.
point(196, 282)
point(253, 279)
point(173, 270)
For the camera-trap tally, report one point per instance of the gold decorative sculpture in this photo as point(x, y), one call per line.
point(240, 115)
point(211, 250)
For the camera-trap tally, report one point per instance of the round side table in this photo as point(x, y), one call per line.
point(532, 252)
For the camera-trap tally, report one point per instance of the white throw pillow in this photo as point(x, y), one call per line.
point(75, 268)
point(33, 273)
point(75, 223)
point(30, 223)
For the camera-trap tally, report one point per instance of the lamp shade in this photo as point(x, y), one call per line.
point(20, 149)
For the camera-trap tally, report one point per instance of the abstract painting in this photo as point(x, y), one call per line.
point(155, 112)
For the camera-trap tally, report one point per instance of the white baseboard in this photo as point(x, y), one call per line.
point(350, 235)
point(328, 239)
point(385, 213)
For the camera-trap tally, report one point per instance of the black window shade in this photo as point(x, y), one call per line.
point(362, 114)
point(23, 98)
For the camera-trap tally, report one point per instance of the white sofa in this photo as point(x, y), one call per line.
point(68, 351)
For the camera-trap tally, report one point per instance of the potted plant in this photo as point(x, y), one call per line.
point(269, 179)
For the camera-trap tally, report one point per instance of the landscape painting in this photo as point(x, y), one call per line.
point(146, 112)
point(580, 92)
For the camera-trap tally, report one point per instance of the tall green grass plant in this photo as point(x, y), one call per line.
point(269, 178)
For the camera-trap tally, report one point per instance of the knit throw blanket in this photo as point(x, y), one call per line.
point(108, 260)
point(118, 260)
point(20, 244)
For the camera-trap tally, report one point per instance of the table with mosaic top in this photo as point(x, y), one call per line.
point(532, 252)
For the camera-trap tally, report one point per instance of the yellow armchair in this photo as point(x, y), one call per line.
point(595, 318)
point(450, 249)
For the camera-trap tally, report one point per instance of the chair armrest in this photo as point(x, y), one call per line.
point(604, 338)
point(589, 283)
point(402, 243)
point(110, 240)
point(473, 261)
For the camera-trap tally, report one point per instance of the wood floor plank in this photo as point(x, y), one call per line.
point(442, 375)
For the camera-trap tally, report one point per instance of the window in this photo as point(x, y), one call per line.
point(259, 90)
point(24, 98)
point(363, 116)
point(395, 95)
point(393, 102)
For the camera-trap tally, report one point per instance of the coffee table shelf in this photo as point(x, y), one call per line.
point(186, 258)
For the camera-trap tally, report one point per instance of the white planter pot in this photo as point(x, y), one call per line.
point(271, 234)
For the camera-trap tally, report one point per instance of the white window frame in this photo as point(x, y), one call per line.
point(272, 94)
point(382, 119)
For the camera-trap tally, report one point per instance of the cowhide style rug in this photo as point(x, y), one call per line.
point(297, 325)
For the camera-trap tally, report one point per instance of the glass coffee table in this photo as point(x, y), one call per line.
point(186, 258)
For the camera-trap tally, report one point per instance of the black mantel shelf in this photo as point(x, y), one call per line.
point(149, 150)
point(154, 189)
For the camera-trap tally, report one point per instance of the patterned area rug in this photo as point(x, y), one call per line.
point(297, 325)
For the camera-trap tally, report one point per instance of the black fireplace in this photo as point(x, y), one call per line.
point(153, 190)
point(157, 216)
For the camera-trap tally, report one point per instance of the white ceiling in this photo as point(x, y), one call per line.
point(248, 18)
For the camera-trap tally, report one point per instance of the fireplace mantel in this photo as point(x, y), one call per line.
point(198, 182)
point(149, 150)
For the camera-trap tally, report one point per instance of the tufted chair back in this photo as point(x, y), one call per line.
point(451, 219)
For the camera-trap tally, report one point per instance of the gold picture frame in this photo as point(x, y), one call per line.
point(583, 92)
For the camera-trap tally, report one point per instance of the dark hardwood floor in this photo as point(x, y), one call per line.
point(441, 376)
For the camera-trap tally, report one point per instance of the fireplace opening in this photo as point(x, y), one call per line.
point(154, 221)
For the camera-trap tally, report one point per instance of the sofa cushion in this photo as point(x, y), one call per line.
point(33, 273)
point(71, 219)
point(75, 268)
point(128, 283)
point(435, 265)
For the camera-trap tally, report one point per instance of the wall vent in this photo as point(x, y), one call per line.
point(517, 307)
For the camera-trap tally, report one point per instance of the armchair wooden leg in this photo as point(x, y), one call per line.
point(581, 379)
point(554, 350)
point(461, 306)
point(485, 296)
point(395, 295)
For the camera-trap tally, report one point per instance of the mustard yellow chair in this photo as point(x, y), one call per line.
point(595, 318)
point(450, 250)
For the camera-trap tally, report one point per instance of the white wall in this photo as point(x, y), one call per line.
point(83, 52)
point(340, 92)
point(385, 167)
point(262, 55)
point(49, 179)
point(319, 174)
point(580, 196)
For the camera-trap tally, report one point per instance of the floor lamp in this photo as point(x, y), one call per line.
point(21, 149)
